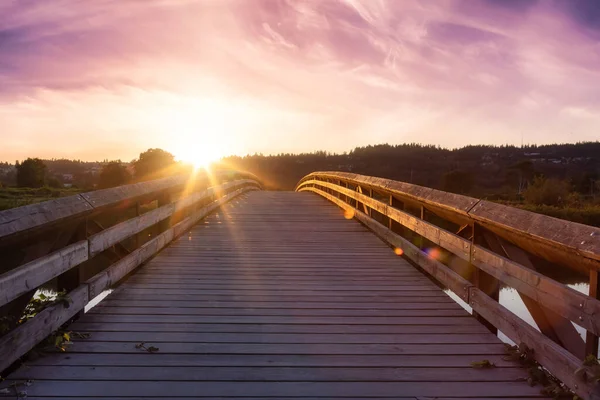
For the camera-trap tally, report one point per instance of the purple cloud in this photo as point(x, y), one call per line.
point(396, 69)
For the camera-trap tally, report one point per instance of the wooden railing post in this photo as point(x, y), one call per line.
point(164, 199)
point(591, 341)
point(393, 225)
point(137, 214)
point(72, 278)
point(484, 281)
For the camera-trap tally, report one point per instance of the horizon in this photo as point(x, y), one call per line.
point(524, 146)
point(204, 78)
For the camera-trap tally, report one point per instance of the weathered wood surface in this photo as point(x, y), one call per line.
point(564, 242)
point(562, 299)
point(278, 296)
point(23, 338)
point(33, 274)
point(21, 221)
point(551, 355)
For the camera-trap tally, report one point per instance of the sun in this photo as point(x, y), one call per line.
point(200, 131)
point(200, 155)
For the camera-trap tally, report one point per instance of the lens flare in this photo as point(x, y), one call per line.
point(434, 253)
point(349, 214)
point(398, 251)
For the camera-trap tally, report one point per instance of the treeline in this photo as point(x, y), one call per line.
point(561, 180)
point(501, 171)
point(76, 174)
point(551, 179)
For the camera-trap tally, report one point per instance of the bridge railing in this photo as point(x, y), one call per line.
point(474, 247)
point(82, 245)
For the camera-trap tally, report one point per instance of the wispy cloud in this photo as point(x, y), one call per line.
point(293, 75)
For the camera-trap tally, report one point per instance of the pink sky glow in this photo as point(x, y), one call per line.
point(100, 79)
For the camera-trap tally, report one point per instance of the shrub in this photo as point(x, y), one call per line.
point(550, 192)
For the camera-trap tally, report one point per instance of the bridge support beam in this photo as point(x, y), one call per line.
point(557, 328)
point(591, 342)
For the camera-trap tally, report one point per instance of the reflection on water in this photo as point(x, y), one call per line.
point(510, 299)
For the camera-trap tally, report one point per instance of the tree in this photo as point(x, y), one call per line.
point(84, 180)
point(457, 181)
point(587, 182)
point(113, 174)
point(54, 182)
point(153, 163)
point(31, 173)
point(520, 174)
point(550, 192)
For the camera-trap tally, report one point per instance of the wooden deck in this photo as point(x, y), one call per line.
point(278, 296)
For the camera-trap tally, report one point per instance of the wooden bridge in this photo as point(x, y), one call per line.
point(220, 290)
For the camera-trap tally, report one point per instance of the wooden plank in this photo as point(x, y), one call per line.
point(563, 242)
point(17, 221)
point(551, 355)
point(290, 348)
point(88, 326)
point(369, 299)
point(275, 279)
point(147, 389)
point(281, 397)
point(23, 338)
point(269, 374)
point(119, 301)
point(39, 271)
point(421, 287)
point(160, 359)
point(121, 268)
point(284, 338)
point(176, 319)
point(263, 312)
point(113, 196)
point(277, 293)
point(110, 236)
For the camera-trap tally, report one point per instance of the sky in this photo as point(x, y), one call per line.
point(107, 79)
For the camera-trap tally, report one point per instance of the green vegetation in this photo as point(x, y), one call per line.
point(153, 163)
point(11, 197)
point(31, 173)
point(113, 174)
point(558, 198)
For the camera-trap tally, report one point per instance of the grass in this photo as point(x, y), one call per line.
point(12, 197)
point(588, 215)
point(583, 213)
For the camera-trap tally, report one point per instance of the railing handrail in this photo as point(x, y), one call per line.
point(22, 220)
point(553, 305)
point(551, 238)
point(172, 216)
